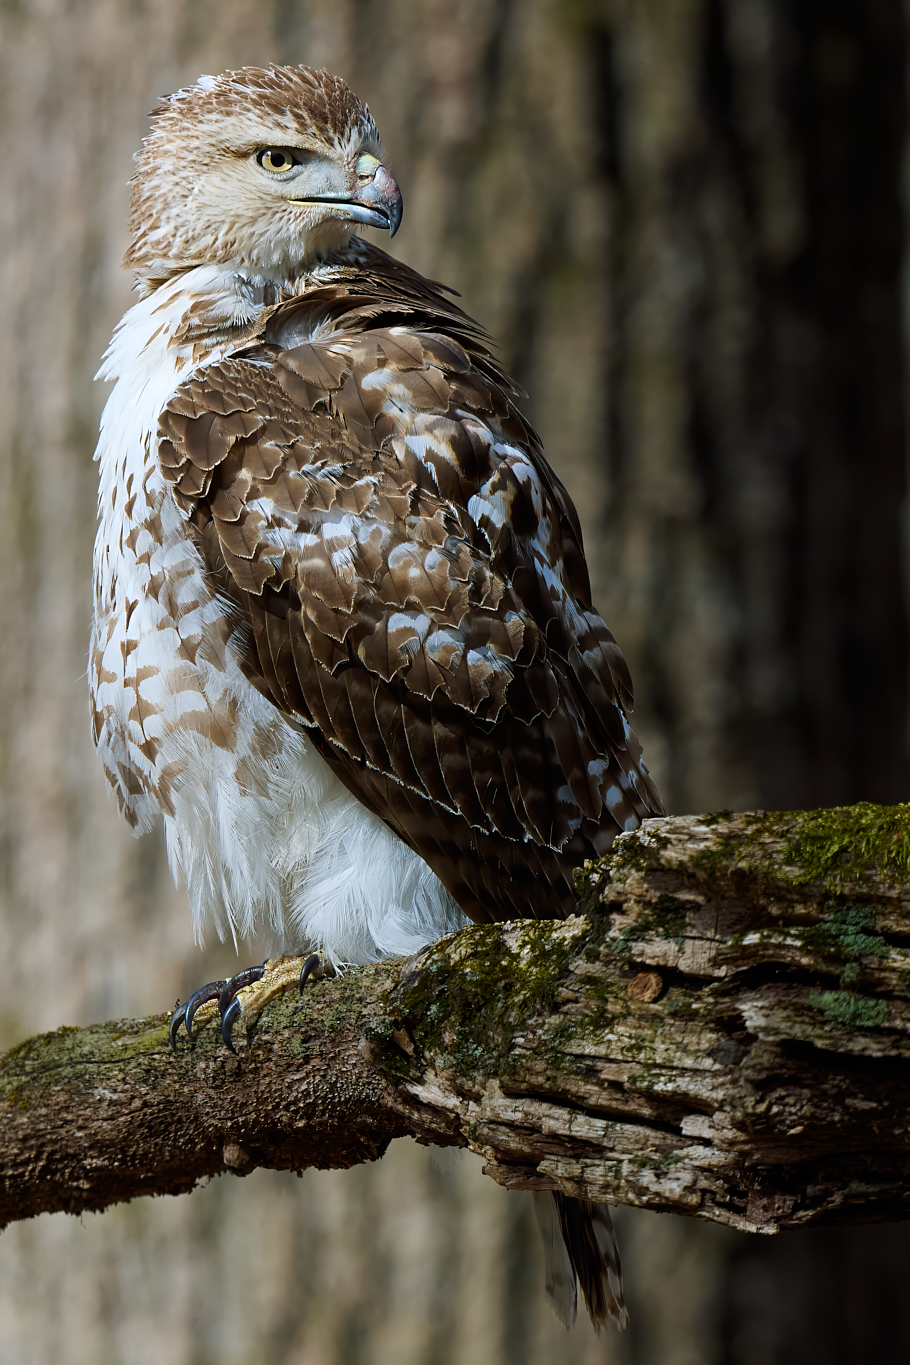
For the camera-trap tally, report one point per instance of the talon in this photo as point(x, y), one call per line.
point(237, 982)
point(177, 1018)
point(313, 962)
point(228, 1003)
point(211, 991)
point(229, 1006)
point(228, 1019)
point(184, 1014)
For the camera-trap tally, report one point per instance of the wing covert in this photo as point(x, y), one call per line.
point(413, 577)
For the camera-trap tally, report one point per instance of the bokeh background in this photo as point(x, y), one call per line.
point(684, 221)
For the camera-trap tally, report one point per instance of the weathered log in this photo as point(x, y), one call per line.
point(724, 1031)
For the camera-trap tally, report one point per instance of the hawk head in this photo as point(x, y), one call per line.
point(262, 170)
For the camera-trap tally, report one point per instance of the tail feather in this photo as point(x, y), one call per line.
point(560, 1277)
point(580, 1247)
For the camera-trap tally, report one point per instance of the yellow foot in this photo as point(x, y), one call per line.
point(245, 995)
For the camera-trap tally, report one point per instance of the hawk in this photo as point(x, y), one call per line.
point(343, 638)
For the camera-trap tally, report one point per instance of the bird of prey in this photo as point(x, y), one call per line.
point(343, 637)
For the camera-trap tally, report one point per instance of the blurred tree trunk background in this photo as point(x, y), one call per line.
point(683, 221)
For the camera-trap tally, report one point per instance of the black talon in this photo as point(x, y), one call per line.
point(228, 1003)
point(228, 1007)
point(312, 962)
point(177, 1019)
point(184, 1014)
point(210, 992)
point(237, 982)
point(228, 1019)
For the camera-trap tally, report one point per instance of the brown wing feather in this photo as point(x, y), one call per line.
point(413, 575)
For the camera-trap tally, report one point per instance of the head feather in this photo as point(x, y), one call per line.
point(173, 221)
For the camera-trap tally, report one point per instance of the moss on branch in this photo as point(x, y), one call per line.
point(725, 1031)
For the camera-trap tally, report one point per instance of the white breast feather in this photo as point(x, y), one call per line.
point(263, 832)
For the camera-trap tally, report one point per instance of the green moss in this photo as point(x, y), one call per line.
point(826, 845)
point(131, 1044)
point(716, 817)
point(589, 880)
point(864, 1187)
point(34, 1048)
point(682, 1006)
point(299, 1047)
point(667, 918)
point(843, 934)
point(378, 1028)
point(595, 875)
point(469, 995)
point(347, 997)
point(838, 943)
point(844, 1009)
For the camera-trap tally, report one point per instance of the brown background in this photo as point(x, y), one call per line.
point(682, 219)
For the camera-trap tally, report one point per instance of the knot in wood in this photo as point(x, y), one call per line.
point(646, 987)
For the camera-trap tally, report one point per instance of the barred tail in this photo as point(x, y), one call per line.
point(580, 1247)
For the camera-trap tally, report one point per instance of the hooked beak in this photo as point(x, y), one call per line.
point(376, 204)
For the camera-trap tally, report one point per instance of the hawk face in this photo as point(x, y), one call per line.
point(263, 171)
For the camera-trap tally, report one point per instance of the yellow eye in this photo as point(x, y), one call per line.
point(276, 159)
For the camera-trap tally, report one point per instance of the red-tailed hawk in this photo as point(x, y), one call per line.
point(343, 638)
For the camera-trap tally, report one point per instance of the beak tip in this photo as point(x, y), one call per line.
point(394, 208)
point(384, 194)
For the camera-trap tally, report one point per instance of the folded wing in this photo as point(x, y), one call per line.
point(371, 502)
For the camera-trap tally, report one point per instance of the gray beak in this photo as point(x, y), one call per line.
point(376, 204)
point(379, 203)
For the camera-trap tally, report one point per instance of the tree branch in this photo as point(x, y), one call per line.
point(723, 1032)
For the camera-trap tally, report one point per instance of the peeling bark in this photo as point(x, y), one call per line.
point(724, 1031)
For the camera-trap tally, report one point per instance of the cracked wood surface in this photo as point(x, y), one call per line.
point(723, 1032)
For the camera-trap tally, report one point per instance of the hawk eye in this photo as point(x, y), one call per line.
point(275, 159)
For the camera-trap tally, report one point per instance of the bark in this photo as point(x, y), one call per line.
point(723, 1032)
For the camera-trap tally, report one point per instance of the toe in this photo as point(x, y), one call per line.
point(212, 991)
point(177, 1018)
point(275, 977)
point(228, 1020)
point(313, 968)
point(185, 1014)
point(229, 1003)
point(247, 977)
